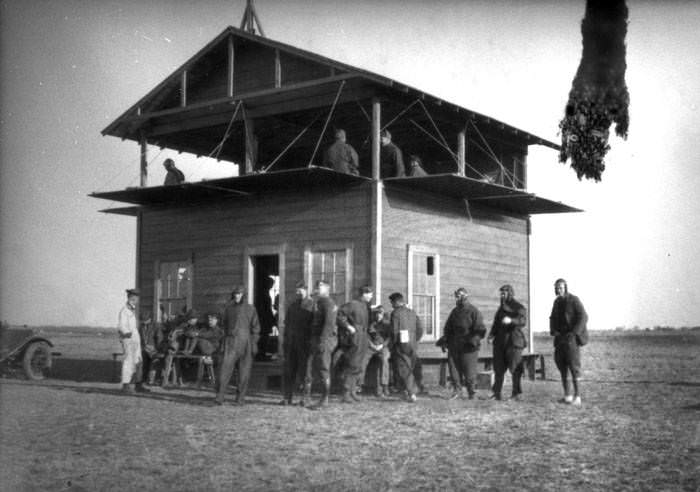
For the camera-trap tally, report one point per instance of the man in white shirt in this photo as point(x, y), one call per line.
point(128, 328)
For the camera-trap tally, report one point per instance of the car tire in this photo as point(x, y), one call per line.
point(36, 361)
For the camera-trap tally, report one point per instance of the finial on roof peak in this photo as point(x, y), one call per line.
point(250, 19)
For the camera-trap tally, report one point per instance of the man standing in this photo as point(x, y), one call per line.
point(173, 175)
point(391, 158)
point(415, 168)
point(354, 318)
point(297, 340)
point(464, 330)
point(323, 342)
point(241, 332)
point(406, 331)
point(378, 345)
point(508, 342)
point(341, 156)
point(567, 324)
point(127, 326)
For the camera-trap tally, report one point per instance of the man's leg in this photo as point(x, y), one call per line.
point(308, 369)
point(454, 364)
point(575, 367)
point(325, 353)
point(471, 367)
point(351, 374)
point(385, 355)
point(226, 369)
point(561, 361)
point(404, 367)
point(245, 364)
point(364, 363)
point(418, 374)
point(515, 365)
point(499, 369)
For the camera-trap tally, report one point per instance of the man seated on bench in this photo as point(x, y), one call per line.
point(205, 339)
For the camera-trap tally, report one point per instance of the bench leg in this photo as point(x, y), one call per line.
point(530, 368)
point(542, 374)
point(168, 366)
point(200, 372)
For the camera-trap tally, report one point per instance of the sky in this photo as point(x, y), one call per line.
point(70, 67)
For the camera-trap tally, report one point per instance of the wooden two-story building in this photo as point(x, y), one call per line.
point(272, 108)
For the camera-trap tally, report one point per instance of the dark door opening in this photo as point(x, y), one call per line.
point(266, 275)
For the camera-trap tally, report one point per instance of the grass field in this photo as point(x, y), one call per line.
point(638, 429)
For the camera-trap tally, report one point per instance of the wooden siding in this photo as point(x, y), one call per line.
point(480, 254)
point(215, 236)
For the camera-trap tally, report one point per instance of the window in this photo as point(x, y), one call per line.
point(424, 288)
point(334, 266)
point(174, 288)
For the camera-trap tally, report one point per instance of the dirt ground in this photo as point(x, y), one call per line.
point(638, 429)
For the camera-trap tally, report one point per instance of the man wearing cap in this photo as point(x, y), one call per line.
point(296, 342)
point(241, 332)
point(378, 343)
point(354, 318)
point(406, 331)
point(508, 341)
point(127, 326)
point(323, 342)
point(567, 324)
point(464, 330)
point(391, 158)
point(415, 168)
point(173, 175)
point(341, 156)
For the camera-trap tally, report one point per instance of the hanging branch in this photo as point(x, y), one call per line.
point(599, 95)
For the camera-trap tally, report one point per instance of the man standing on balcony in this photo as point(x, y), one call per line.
point(173, 176)
point(341, 156)
point(391, 158)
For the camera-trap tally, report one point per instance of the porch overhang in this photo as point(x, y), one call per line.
point(483, 193)
point(239, 186)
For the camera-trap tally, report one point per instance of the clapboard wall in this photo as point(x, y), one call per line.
point(216, 236)
point(479, 248)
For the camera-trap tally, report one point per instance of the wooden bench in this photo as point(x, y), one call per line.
point(200, 366)
point(530, 361)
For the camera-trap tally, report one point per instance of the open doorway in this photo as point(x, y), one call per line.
point(265, 297)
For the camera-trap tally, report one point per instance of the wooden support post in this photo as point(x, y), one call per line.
point(461, 151)
point(278, 69)
point(251, 145)
point(183, 89)
point(376, 143)
point(144, 161)
point(231, 60)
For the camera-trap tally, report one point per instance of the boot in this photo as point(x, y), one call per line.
point(151, 377)
point(355, 396)
point(128, 389)
point(323, 402)
point(306, 397)
point(382, 391)
point(140, 388)
point(348, 397)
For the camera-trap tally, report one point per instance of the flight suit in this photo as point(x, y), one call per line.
point(464, 330)
point(356, 313)
point(131, 343)
point(241, 333)
point(508, 344)
point(406, 331)
point(323, 342)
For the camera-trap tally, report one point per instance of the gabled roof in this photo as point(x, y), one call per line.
point(124, 124)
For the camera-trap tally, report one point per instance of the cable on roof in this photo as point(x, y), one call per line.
point(325, 125)
point(284, 151)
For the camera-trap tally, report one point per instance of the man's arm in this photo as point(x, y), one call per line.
point(400, 168)
point(581, 317)
point(520, 318)
point(123, 324)
point(254, 330)
point(478, 324)
point(552, 321)
point(419, 328)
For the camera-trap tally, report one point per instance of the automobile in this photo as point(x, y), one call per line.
point(26, 348)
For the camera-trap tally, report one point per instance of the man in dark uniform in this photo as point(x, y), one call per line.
point(508, 342)
point(241, 332)
point(406, 331)
point(323, 342)
point(464, 330)
point(567, 324)
point(391, 158)
point(297, 340)
point(173, 175)
point(341, 156)
point(415, 168)
point(354, 319)
point(378, 341)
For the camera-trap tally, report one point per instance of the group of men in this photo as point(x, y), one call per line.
point(342, 157)
point(316, 329)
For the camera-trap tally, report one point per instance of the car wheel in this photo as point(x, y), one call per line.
point(37, 360)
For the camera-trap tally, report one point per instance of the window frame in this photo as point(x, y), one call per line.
point(412, 250)
point(324, 247)
point(158, 285)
